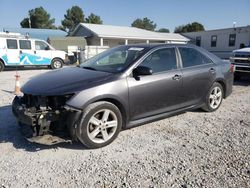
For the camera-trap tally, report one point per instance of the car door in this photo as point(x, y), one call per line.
point(42, 53)
point(12, 53)
point(157, 93)
point(26, 54)
point(198, 73)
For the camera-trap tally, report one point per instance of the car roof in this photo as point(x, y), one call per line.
point(150, 46)
point(155, 45)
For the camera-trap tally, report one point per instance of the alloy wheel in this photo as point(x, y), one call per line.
point(102, 126)
point(215, 97)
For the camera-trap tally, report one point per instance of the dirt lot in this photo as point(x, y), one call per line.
point(194, 149)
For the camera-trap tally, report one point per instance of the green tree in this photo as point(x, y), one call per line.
point(72, 18)
point(163, 30)
point(94, 19)
point(39, 18)
point(190, 27)
point(61, 28)
point(144, 23)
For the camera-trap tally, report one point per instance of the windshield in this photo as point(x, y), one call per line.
point(114, 60)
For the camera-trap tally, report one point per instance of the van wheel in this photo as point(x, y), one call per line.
point(56, 64)
point(100, 124)
point(214, 98)
point(1, 66)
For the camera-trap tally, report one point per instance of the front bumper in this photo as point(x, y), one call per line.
point(241, 64)
point(241, 68)
point(45, 127)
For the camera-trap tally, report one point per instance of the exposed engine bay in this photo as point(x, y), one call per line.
point(45, 119)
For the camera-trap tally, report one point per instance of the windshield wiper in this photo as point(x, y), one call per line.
point(89, 68)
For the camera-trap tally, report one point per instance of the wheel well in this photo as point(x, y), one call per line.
point(2, 61)
point(119, 106)
point(223, 86)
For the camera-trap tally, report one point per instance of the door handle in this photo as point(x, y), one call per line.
point(176, 77)
point(212, 70)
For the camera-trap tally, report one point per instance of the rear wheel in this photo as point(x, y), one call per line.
point(214, 98)
point(56, 64)
point(1, 66)
point(100, 124)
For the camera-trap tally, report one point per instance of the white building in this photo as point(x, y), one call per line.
point(109, 35)
point(221, 42)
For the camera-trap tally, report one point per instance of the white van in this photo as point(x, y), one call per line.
point(18, 50)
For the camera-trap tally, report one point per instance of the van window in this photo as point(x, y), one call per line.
point(40, 45)
point(11, 44)
point(25, 44)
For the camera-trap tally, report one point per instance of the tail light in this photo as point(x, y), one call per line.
point(231, 68)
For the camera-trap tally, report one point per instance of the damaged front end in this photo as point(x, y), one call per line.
point(46, 119)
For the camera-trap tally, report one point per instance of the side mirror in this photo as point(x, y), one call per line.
point(142, 70)
point(47, 48)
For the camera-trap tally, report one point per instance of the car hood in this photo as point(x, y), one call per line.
point(64, 81)
point(246, 50)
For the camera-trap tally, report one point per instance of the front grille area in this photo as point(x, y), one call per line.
point(243, 69)
point(45, 102)
point(241, 61)
point(242, 55)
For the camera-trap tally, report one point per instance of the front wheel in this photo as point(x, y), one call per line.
point(100, 124)
point(214, 98)
point(56, 64)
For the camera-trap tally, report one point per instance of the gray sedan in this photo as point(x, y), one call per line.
point(118, 89)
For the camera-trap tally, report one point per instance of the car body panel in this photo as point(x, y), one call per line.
point(196, 83)
point(158, 94)
point(64, 81)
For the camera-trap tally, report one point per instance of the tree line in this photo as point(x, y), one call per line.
point(40, 18)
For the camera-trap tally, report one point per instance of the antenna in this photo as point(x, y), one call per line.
point(234, 24)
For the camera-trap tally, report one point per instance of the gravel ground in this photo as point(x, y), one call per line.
point(193, 149)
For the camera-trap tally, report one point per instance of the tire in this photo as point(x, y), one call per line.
point(56, 64)
point(92, 130)
point(214, 98)
point(1, 66)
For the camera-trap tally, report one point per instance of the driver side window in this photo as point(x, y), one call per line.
point(41, 45)
point(161, 60)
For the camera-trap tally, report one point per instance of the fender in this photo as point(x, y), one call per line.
point(115, 92)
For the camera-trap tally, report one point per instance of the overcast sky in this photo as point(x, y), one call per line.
point(213, 14)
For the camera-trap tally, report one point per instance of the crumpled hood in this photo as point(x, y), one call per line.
point(64, 81)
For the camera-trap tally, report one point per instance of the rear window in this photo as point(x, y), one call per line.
point(191, 57)
point(11, 44)
point(25, 44)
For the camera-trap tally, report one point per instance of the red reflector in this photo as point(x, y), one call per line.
point(232, 68)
